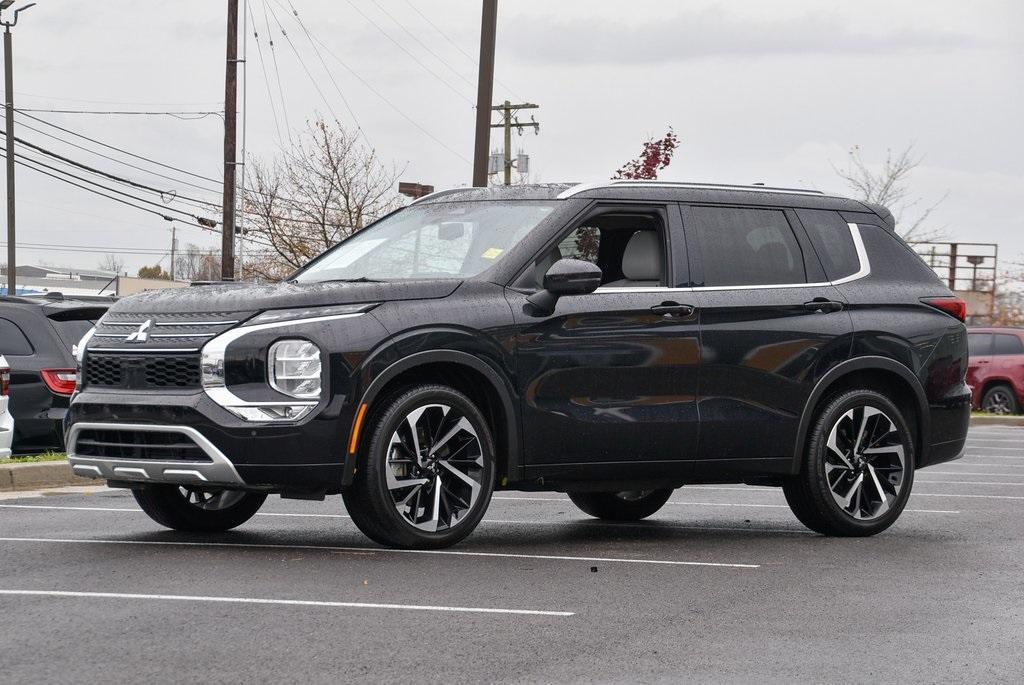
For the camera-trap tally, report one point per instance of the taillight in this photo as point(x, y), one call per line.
point(5, 380)
point(953, 306)
point(60, 381)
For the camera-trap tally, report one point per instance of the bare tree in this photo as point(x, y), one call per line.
point(112, 263)
point(197, 264)
point(313, 195)
point(890, 187)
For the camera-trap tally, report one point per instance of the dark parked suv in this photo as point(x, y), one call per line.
point(613, 341)
point(37, 335)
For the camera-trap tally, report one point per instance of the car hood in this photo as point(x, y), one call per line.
point(245, 297)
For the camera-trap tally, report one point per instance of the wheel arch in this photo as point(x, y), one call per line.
point(873, 373)
point(469, 374)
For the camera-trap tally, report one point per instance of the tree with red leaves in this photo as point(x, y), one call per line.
point(656, 155)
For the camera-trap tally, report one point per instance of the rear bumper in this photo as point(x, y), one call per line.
point(218, 448)
point(949, 420)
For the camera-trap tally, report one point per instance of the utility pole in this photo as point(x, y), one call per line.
point(12, 252)
point(508, 122)
point(227, 243)
point(484, 92)
point(174, 247)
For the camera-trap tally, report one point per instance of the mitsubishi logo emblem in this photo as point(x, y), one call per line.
point(142, 334)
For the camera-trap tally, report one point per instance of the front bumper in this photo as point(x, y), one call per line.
point(217, 448)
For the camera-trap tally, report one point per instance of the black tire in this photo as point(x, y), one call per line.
point(811, 493)
point(169, 506)
point(1000, 399)
point(629, 505)
point(371, 503)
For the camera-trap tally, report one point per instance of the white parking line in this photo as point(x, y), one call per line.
point(946, 494)
point(967, 482)
point(1001, 449)
point(975, 473)
point(284, 602)
point(992, 456)
point(381, 550)
point(972, 464)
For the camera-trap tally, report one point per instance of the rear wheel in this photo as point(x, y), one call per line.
point(1000, 399)
point(428, 471)
point(858, 469)
point(626, 505)
point(206, 510)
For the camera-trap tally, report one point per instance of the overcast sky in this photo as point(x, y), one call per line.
point(775, 92)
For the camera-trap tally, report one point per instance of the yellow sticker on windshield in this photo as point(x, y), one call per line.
point(492, 253)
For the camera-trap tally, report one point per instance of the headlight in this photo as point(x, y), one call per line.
point(294, 367)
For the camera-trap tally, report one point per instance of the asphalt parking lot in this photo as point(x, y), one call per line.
point(722, 585)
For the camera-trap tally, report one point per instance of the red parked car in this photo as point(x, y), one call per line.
point(995, 370)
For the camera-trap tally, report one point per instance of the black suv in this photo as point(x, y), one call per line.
point(37, 335)
point(613, 341)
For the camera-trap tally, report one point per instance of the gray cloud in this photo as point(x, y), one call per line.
point(711, 32)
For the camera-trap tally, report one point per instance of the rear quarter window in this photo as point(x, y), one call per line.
point(979, 344)
point(13, 341)
point(831, 238)
point(1007, 343)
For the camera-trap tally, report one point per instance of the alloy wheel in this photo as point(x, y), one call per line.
point(211, 500)
point(865, 462)
point(435, 467)
point(998, 402)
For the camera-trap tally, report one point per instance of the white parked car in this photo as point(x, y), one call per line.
point(6, 420)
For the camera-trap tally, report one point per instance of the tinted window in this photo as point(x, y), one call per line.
point(747, 247)
point(831, 238)
point(12, 341)
point(979, 344)
point(1006, 343)
point(72, 330)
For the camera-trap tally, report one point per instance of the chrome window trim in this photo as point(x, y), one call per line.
point(217, 349)
point(219, 470)
point(862, 258)
point(584, 187)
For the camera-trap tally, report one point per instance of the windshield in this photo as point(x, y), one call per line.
point(443, 240)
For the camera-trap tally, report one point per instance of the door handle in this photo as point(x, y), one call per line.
point(824, 305)
point(672, 309)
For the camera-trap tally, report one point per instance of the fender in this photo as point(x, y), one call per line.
point(497, 380)
point(848, 367)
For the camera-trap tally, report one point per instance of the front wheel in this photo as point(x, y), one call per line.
point(195, 509)
point(858, 469)
point(427, 474)
point(627, 505)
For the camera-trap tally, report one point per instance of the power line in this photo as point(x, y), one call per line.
point(112, 147)
point(112, 102)
point(426, 47)
point(457, 46)
point(414, 58)
point(390, 104)
point(277, 71)
point(189, 116)
point(320, 56)
point(135, 184)
point(263, 67)
point(27, 165)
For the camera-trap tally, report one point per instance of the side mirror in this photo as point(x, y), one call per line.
point(566, 277)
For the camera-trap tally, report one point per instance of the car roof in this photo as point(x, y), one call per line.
point(621, 189)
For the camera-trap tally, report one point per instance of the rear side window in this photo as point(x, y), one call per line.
point(1007, 343)
point(747, 247)
point(831, 238)
point(13, 341)
point(979, 344)
point(72, 330)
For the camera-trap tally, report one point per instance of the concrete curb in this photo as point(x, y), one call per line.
point(35, 475)
point(996, 420)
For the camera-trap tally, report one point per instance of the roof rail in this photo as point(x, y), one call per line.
point(583, 187)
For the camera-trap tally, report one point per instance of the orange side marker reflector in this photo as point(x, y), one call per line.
point(353, 443)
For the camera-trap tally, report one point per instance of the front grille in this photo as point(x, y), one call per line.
point(174, 331)
point(119, 443)
point(141, 371)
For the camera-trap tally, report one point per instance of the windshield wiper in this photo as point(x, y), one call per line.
point(361, 279)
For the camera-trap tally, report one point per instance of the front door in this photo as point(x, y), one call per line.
point(770, 328)
point(608, 381)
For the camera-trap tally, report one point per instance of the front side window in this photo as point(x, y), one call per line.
point(1007, 343)
point(747, 247)
point(442, 240)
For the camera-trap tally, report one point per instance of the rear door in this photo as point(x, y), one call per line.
point(771, 326)
point(979, 362)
